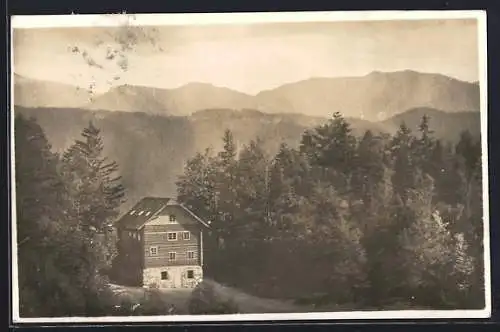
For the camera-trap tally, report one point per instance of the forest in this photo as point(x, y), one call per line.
point(376, 221)
point(379, 221)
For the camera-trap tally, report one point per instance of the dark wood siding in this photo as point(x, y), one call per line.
point(157, 236)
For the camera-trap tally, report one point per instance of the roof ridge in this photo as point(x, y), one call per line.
point(148, 208)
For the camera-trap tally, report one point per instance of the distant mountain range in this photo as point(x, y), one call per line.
point(181, 101)
point(37, 93)
point(373, 97)
point(152, 149)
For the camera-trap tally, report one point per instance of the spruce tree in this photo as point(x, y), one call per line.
point(226, 184)
point(403, 178)
point(97, 189)
point(368, 170)
point(423, 146)
point(332, 146)
point(56, 265)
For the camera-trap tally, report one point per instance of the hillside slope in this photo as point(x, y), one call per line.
point(152, 150)
point(445, 125)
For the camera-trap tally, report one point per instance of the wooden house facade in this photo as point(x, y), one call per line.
point(160, 244)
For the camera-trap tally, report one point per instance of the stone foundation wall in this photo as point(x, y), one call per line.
point(177, 276)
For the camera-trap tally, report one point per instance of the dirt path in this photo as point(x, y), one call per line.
point(254, 304)
point(246, 303)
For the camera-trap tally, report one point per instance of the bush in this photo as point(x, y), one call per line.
point(204, 300)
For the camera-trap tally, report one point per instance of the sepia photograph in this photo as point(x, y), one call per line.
point(249, 167)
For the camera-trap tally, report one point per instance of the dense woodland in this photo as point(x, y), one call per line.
point(170, 141)
point(366, 222)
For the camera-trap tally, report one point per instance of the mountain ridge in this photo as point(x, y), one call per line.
point(29, 92)
point(374, 96)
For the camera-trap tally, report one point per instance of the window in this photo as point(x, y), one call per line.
point(171, 236)
point(172, 219)
point(186, 235)
point(153, 251)
point(190, 274)
point(132, 212)
point(164, 275)
point(190, 254)
point(139, 237)
point(171, 256)
point(140, 213)
point(148, 213)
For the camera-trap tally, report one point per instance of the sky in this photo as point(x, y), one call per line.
point(248, 57)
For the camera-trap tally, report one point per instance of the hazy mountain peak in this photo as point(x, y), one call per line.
point(375, 96)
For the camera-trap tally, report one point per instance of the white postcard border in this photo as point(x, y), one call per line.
point(112, 20)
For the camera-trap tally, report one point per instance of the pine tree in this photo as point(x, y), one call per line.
point(97, 190)
point(226, 185)
point(57, 268)
point(228, 154)
point(423, 146)
point(404, 166)
point(332, 146)
point(369, 168)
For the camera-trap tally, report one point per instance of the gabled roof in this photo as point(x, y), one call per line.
point(193, 215)
point(142, 211)
point(148, 208)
